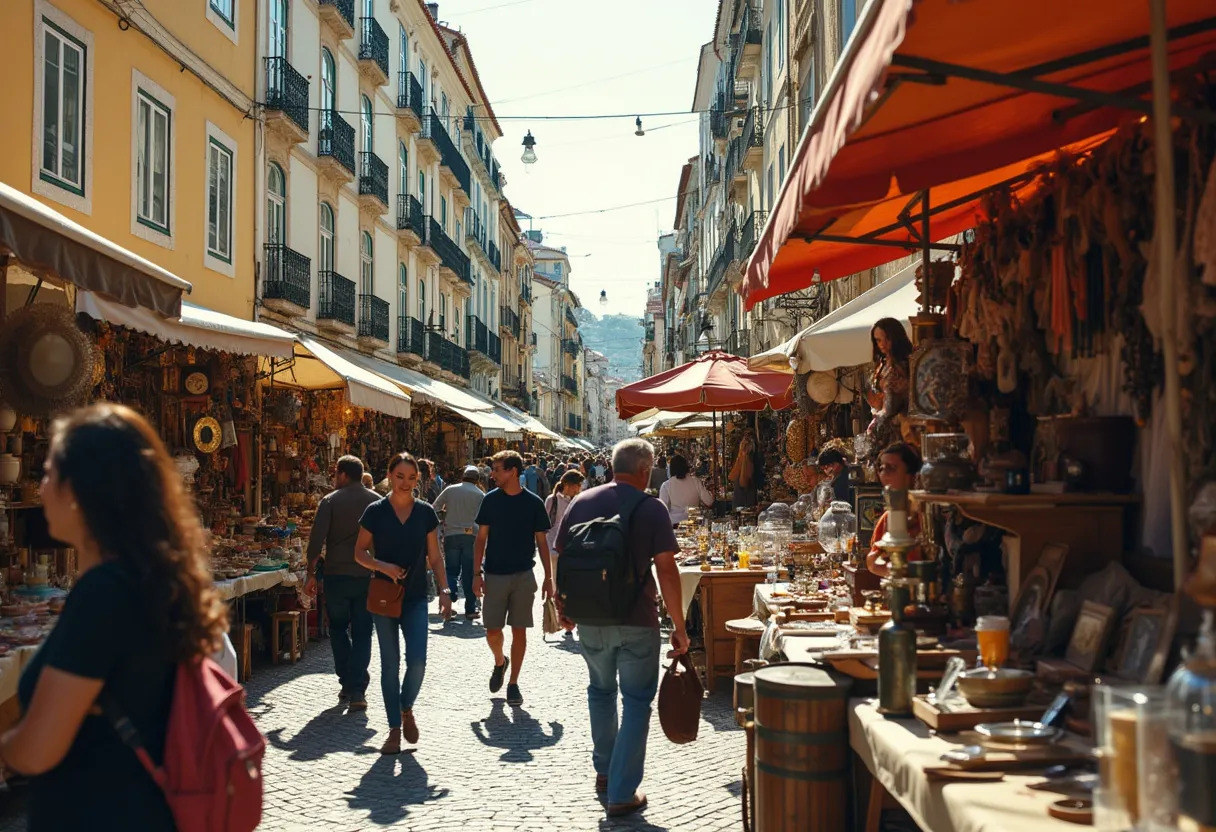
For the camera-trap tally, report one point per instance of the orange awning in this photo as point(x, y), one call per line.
point(955, 97)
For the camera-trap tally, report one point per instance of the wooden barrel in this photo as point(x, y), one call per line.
point(744, 697)
point(802, 747)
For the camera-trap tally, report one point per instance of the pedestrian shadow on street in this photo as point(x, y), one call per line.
point(718, 710)
point(567, 643)
point(457, 627)
point(518, 734)
point(634, 823)
point(334, 730)
point(387, 794)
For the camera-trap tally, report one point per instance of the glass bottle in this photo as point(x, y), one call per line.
point(1192, 694)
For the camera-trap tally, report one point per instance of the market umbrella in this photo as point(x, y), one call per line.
point(716, 381)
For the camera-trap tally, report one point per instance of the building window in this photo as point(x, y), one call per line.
point(366, 273)
point(768, 63)
point(403, 49)
point(443, 212)
point(403, 290)
point(326, 261)
point(365, 109)
point(63, 97)
point(329, 81)
point(403, 169)
point(219, 200)
point(848, 20)
point(443, 315)
point(780, 15)
point(422, 190)
point(152, 136)
point(226, 9)
point(277, 30)
point(422, 301)
point(781, 166)
point(276, 205)
point(557, 269)
point(422, 79)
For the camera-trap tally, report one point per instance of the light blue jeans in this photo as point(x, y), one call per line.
point(413, 625)
point(630, 654)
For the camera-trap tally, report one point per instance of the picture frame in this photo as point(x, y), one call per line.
point(1033, 597)
point(1090, 635)
point(869, 507)
point(1143, 652)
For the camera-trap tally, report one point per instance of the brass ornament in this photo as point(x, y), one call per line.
point(207, 434)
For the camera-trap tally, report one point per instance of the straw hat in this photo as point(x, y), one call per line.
point(46, 362)
point(822, 387)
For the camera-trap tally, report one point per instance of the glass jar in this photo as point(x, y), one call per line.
point(838, 528)
point(1191, 691)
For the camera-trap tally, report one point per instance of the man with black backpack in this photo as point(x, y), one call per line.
point(607, 541)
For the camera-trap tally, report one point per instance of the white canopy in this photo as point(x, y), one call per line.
point(197, 327)
point(318, 366)
point(842, 338)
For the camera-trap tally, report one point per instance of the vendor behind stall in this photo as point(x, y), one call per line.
point(746, 474)
point(835, 467)
point(898, 465)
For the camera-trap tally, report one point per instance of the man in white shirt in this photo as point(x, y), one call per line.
point(457, 506)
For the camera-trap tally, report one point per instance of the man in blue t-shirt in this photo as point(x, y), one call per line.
point(511, 525)
point(531, 476)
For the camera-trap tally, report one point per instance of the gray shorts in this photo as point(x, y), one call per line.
point(508, 600)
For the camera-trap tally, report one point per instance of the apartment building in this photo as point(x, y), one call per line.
point(377, 232)
point(515, 317)
point(558, 359)
point(135, 120)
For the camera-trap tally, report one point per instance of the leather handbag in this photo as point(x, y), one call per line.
point(384, 596)
point(680, 695)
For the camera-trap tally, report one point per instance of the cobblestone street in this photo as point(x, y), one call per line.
point(480, 764)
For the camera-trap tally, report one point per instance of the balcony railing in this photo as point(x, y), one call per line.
point(346, 9)
point(447, 355)
point(495, 258)
point(713, 169)
point(570, 316)
point(409, 94)
point(569, 384)
point(287, 90)
point(571, 347)
point(574, 423)
point(473, 229)
point(525, 293)
point(719, 124)
point(449, 253)
point(373, 176)
point(508, 319)
point(336, 138)
point(409, 215)
point(475, 334)
point(373, 43)
point(749, 27)
point(495, 345)
point(410, 335)
point(373, 318)
point(449, 154)
point(722, 259)
point(288, 275)
point(753, 227)
point(533, 339)
point(335, 298)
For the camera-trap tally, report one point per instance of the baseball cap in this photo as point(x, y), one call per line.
point(472, 471)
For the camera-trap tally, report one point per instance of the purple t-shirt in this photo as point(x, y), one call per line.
point(650, 533)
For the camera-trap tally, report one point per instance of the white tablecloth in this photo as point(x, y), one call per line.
point(255, 582)
point(690, 579)
point(896, 751)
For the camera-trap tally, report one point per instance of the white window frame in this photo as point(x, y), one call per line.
point(51, 186)
point(326, 238)
point(144, 88)
point(276, 205)
point(220, 142)
point(231, 28)
point(367, 263)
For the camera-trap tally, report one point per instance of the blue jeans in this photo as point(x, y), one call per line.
point(458, 563)
point(413, 625)
point(350, 631)
point(632, 654)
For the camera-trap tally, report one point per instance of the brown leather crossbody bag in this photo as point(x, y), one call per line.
point(384, 596)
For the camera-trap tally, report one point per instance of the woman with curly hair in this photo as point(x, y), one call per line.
point(143, 602)
point(889, 382)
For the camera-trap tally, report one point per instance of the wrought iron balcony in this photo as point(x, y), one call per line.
point(336, 139)
point(409, 94)
point(409, 215)
point(495, 345)
point(335, 298)
point(508, 319)
point(574, 423)
point(475, 334)
point(373, 318)
point(648, 332)
point(475, 232)
point(495, 258)
point(450, 255)
point(713, 169)
point(449, 154)
point(569, 385)
point(570, 316)
point(753, 227)
point(340, 14)
point(373, 49)
point(719, 124)
point(571, 347)
point(447, 355)
point(373, 177)
point(410, 336)
point(533, 339)
point(287, 92)
point(723, 257)
point(287, 275)
point(525, 292)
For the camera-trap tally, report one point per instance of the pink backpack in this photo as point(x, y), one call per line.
point(212, 775)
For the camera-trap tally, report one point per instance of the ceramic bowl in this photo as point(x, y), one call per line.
point(1003, 688)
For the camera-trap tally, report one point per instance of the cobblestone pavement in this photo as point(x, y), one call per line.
point(480, 764)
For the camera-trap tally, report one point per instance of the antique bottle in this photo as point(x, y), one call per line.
point(897, 639)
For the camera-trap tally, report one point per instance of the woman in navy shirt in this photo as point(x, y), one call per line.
point(404, 533)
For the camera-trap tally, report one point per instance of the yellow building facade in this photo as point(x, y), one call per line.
point(137, 120)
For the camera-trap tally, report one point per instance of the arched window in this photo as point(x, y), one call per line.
point(365, 110)
point(403, 290)
point(325, 262)
point(422, 301)
point(366, 280)
point(276, 205)
point(329, 81)
point(403, 169)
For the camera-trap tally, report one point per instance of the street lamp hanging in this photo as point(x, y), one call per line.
point(603, 297)
point(529, 156)
point(639, 131)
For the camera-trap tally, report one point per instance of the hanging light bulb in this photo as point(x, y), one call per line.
point(639, 131)
point(529, 157)
point(603, 297)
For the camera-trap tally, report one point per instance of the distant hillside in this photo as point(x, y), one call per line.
point(617, 336)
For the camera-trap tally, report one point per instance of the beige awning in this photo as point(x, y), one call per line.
point(60, 250)
point(320, 366)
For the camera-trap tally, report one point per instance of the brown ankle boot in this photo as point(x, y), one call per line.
point(409, 728)
point(392, 745)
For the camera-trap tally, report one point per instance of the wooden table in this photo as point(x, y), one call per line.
point(1093, 526)
point(725, 594)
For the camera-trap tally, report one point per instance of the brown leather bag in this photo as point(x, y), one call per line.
point(680, 695)
point(384, 596)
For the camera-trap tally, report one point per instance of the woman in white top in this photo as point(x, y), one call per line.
point(556, 503)
point(682, 491)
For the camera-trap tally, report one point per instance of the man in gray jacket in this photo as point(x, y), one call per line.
point(350, 624)
point(457, 506)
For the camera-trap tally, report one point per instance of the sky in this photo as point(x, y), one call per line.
point(578, 57)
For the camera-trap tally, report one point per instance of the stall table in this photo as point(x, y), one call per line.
point(725, 594)
point(896, 752)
